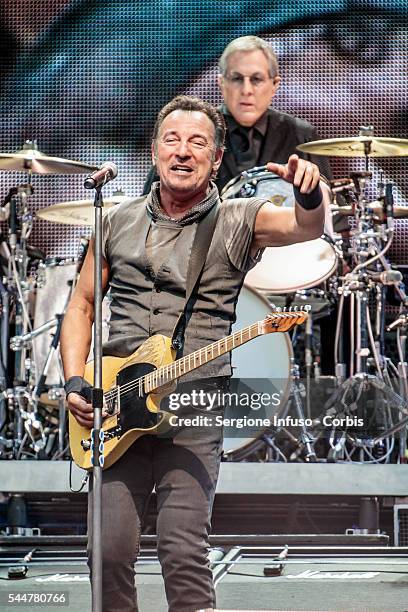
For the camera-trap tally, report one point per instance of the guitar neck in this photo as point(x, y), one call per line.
point(184, 365)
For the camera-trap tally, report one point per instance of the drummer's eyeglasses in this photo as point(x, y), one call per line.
point(256, 80)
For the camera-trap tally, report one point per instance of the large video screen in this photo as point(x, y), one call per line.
point(85, 80)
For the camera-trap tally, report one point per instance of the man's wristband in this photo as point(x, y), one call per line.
point(308, 201)
point(77, 384)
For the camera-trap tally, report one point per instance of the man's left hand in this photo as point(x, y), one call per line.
point(302, 173)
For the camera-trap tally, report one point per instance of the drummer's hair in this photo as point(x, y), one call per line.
point(189, 103)
point(249, 43)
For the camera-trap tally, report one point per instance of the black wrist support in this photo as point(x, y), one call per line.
point(308, 201)
point(76, 384)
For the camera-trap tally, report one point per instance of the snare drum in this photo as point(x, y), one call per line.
point(289, 268)
point(262, 362)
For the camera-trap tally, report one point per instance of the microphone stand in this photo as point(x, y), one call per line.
point(97, 404)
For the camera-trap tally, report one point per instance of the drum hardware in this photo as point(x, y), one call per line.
point(400, 324)
point(18, 342)
point(375, 208)
point(309, 363)
point(257, 182)
point(312, 355)
point(287, 273)
point(306, 437)
point(28, 428)
point(370, 275)
point(4, 361)
point(39, 386)
point(342, 185)
point(26, 421)
point(44, 381)
point(304, 443)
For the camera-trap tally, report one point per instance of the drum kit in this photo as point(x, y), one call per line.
point(34, 294)
point(350, 278)
point(361, 412)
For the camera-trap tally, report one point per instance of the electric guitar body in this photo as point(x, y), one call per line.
point(134, 387)
point(136, 413)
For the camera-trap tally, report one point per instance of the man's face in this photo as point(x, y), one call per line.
point(185, 154)
point(247, 87)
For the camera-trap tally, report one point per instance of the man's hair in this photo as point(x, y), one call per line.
point(249, 43)
point(188, 103)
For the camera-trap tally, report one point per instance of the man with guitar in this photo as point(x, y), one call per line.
point(179, 251)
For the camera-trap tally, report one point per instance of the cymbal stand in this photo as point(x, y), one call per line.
point(26, 421)
point(401, 325)
point(306, 437)
point(359, 284)
point(4, 335)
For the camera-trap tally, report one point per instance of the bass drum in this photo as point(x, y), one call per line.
point(262, 366)
point(290, 268)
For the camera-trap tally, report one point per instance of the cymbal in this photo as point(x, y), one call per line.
point(400, 212)
point(80, 212)
point(360, 146)
point(30, 159)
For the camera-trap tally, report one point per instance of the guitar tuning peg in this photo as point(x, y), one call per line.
point(307, 308)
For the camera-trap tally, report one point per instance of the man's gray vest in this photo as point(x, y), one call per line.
point(143, 303)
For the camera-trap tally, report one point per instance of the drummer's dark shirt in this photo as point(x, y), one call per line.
point(247, 143)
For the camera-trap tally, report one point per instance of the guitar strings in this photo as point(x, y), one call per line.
point(165, 371)
point(162, 373)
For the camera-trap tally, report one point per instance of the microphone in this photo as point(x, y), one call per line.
point(387, 277)
point(389, 205)
point(107, 172)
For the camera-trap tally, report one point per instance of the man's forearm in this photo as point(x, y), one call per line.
point(76, 336)
point(310, 214)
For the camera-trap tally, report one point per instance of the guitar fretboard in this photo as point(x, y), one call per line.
point(178, 368)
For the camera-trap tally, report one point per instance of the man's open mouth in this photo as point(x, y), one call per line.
point(182, 169)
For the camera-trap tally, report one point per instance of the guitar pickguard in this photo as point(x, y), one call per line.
point(132, 401)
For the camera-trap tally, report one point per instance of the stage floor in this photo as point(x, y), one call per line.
point(335, 580)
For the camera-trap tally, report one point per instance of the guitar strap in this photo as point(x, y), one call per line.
point(199, 251)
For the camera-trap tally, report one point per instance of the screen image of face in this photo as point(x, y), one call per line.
point(86, 87)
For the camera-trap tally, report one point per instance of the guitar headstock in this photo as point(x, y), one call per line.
point(284, 320)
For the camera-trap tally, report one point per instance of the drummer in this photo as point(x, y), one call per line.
point(256, 133)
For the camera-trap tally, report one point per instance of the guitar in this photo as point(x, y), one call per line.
point(134, 386)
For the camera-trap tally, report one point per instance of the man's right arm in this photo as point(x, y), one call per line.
point(76, 333)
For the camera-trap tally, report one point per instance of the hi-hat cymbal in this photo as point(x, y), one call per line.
point(400, 212)
point(80, 212)
point(30, 159)
point(360, 146)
